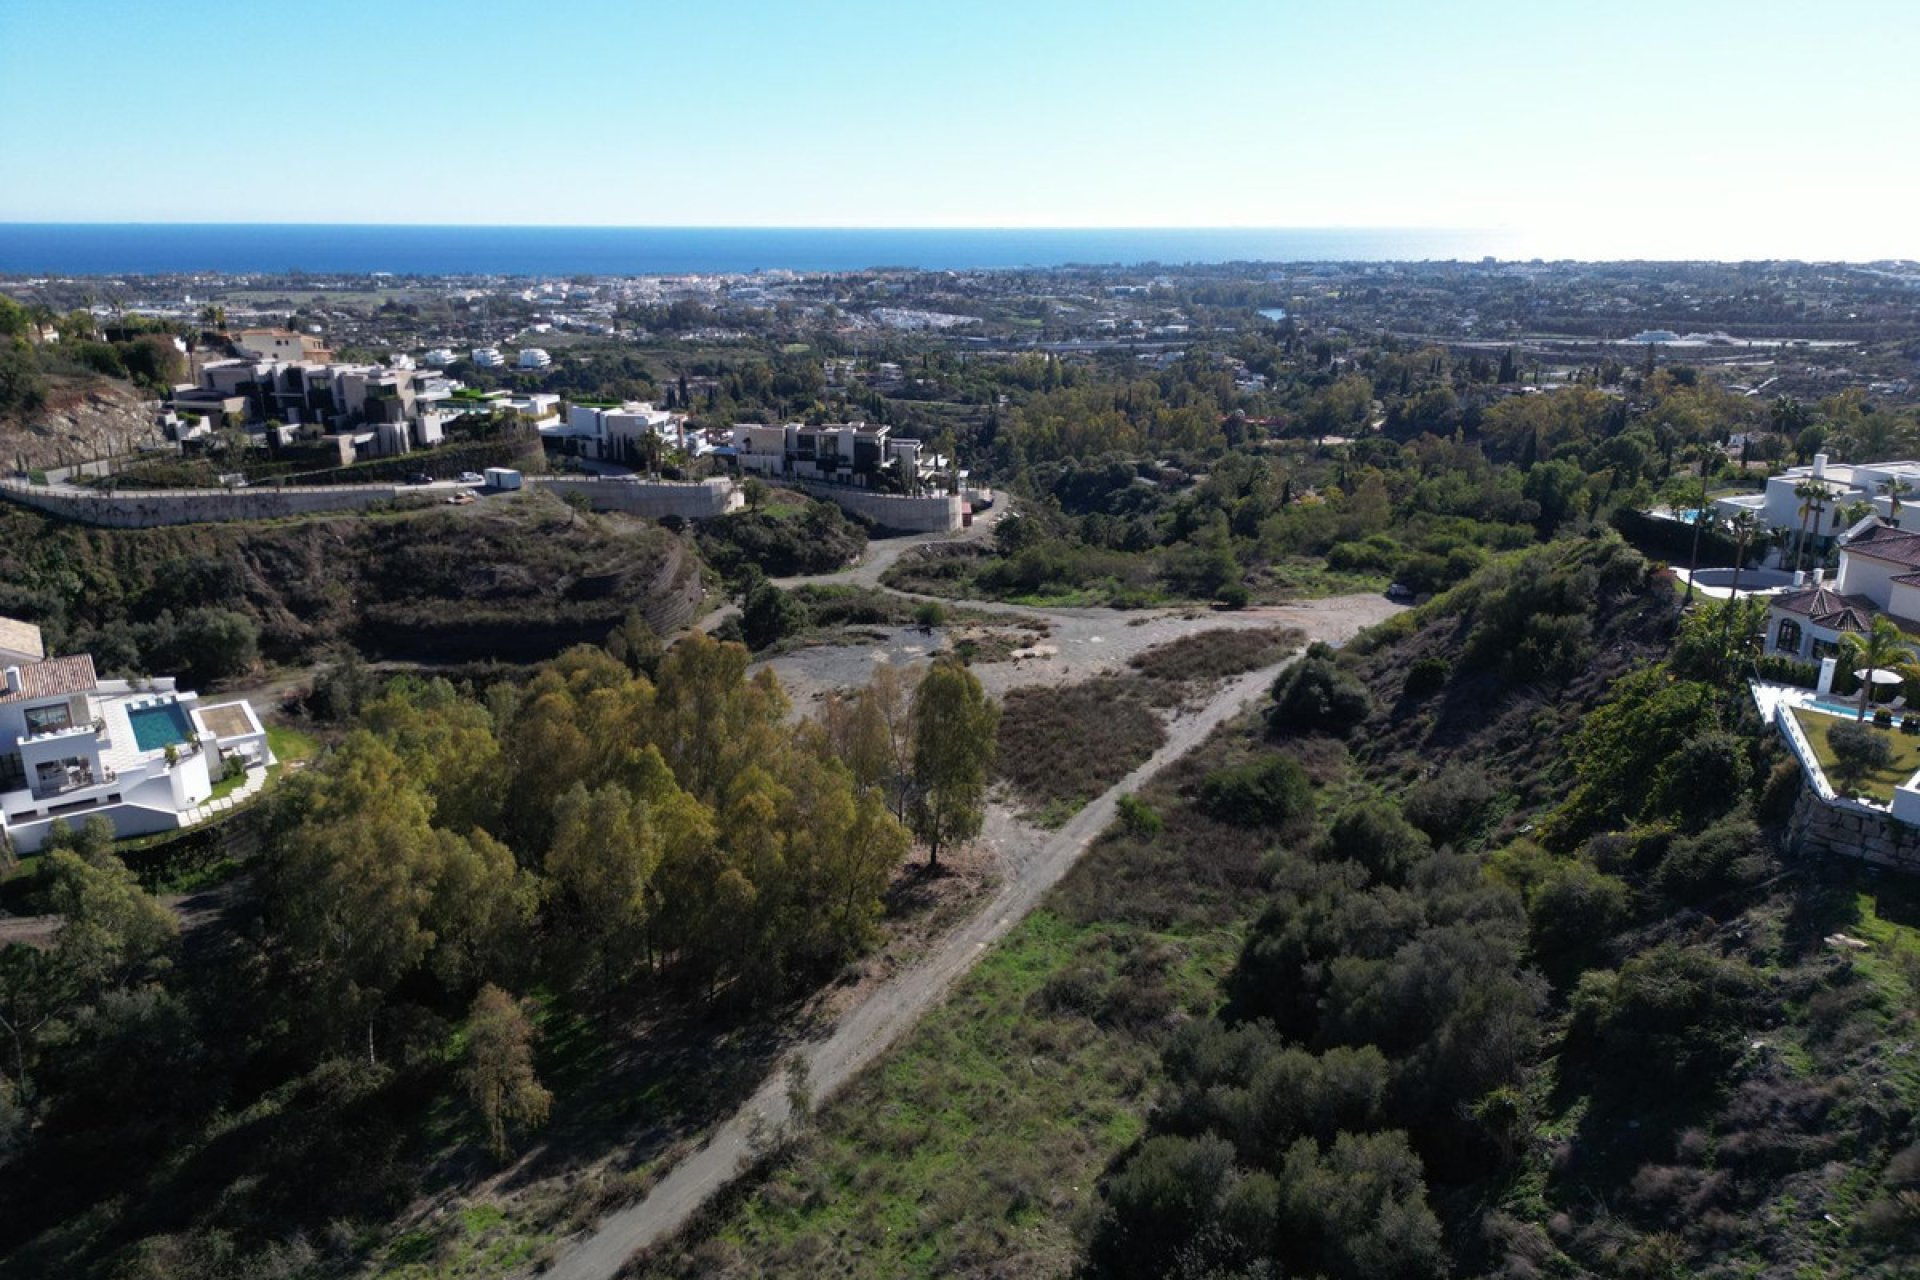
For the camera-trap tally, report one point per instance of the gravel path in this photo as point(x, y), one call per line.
point(1033, 861)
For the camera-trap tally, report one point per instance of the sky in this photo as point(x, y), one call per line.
point(1673, 129)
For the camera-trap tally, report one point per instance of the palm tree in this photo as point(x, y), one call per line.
point(1743, 526)
point(1813, 502)
point(1896, 489)
point(1883, 648)
point(1694, 491)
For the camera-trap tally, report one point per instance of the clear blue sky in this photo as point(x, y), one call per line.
point(1763, 127)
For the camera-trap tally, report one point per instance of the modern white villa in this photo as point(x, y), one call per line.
point(849, 453)
point(617, 432)
point(145, 755)
point(1877, 484)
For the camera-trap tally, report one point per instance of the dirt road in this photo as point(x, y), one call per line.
point(192, 910)
point(1034, 862)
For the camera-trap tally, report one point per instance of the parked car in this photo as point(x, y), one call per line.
point(472, 477)
point(419, 477)
point(1399, 591)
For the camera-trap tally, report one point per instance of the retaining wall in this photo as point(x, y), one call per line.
point(1852, 830)
point(894, 512)
point(144, 509)
point(690, 500)
point(1827, 823)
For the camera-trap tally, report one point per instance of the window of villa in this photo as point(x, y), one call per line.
point(1824, 649)
point(1788, 638)
point(49, 719)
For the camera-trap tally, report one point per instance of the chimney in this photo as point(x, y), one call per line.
point(1819, 576)
point(1799, 577)
point(1819, 466)
point(13, 679)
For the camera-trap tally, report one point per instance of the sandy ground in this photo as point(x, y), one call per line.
point(1085, 642)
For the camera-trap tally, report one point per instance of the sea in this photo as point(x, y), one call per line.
point(122, 249)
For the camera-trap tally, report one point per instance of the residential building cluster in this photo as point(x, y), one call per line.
point(286, 378)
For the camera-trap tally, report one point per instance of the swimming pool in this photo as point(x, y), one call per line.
point(158, 726)
point(1849, 707)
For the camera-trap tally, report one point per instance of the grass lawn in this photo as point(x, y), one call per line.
point(290, 745)
point(1877, 785)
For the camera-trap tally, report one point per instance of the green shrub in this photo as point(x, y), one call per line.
point(1572, 915)
point(1374, 834)
point(1706, 777)
point(769, 615)
point(1726, 855)
point(1784, 670)
point(1315, 694)
point(1676, 1012)
point(1269, 792)
point(1138, 817)
point(1450, 805)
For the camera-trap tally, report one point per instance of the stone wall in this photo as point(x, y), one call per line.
point(1848, 829)
point(689, 500)
point(893, 512)
point(144, 509)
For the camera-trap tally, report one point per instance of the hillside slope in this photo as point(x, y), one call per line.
point(83, 418)
point(515, 581)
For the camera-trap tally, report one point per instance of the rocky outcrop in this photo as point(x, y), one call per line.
point(81, 421)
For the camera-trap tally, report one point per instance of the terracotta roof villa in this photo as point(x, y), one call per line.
point(1879, 573)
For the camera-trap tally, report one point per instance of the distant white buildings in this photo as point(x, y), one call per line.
point(437, 357)
point(144, 755)
point(534, 358)
point(489, 358)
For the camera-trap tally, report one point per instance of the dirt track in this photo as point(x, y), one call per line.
point(1033, 861)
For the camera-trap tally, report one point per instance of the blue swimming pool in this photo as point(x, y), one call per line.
point(159, 726)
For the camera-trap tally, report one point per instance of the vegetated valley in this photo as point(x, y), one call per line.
point(1472, 952)
point(1473, 949)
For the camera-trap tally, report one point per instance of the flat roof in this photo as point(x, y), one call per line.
point(22, 637)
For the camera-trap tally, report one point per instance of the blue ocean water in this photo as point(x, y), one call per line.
point(156, 248)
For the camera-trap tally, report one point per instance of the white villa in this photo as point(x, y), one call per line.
point(835, 453)
point(143, 755)
point(1879, 573)
point(614, 433)
point(1873, 483)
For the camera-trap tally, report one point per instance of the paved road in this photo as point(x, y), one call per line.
point(883, 1017)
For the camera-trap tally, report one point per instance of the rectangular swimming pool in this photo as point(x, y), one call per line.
point(159, 726)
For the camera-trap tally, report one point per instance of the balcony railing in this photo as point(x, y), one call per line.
point(59, 782)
